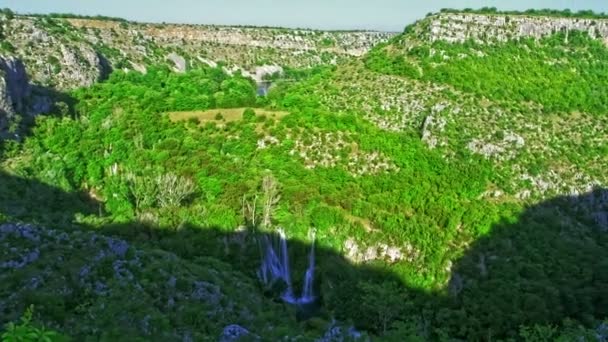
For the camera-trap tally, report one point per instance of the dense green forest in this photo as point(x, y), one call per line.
point(121, 146)
point(151, 225)
point(563, 72)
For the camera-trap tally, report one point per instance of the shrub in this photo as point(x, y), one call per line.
point(8, 13)
point(26, 332)
point(249, 115)
point(6, 46)
point(144, 191)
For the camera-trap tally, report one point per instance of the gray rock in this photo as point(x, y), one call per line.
point(602, 332)
point(180, 62)
point(433, 124)
point(457, 28)
point(14, 88)
point(16, 80)
point(266, 70)
point(81, 66)
point(16, 94)
point(339, 333)
point(233, 332)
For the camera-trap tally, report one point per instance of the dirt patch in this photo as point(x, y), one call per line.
point(92, 23)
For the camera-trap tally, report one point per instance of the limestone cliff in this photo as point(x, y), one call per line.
point(67, 53)
point(485, 28)
point(53, 55)
point(14, 88)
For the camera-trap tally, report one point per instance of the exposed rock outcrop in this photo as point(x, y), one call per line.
point(380, 251)
point(235, 332)
point(80, 65)
point(6, 104)
point(457, 28)
point(266, 70)
point(53, 53)
point(433, 124)
point(179, 61)
point(15, 84)
point(338, 333)
point(68, 53)
point(14, 88)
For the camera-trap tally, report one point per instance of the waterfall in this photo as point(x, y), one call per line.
point(262, 88)
point(275, 263)
point(309, 278)
point(275, 266)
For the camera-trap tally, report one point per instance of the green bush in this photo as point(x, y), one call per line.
point(26, 331)
point(7, 46)
point(249, 115)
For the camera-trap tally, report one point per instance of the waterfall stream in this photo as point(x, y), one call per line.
point(275, 266)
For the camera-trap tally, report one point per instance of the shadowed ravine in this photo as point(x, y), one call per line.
point(555, 256)
point(557, 273)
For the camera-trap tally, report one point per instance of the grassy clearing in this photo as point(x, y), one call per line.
point(223, 115)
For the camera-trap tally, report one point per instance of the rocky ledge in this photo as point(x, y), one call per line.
point(457, 28)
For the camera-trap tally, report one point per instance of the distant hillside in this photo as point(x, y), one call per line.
point(67, 51)
point(536, 89)
point(488, 28)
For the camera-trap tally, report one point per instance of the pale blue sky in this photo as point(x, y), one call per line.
point(391, 15)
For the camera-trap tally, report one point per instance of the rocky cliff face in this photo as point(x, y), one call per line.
point(67, 53)
point(133, 45)
point(14, 88)
point(53, 55)
point(339, 42)
point(487, 28)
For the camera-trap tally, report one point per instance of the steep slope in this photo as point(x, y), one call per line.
point(48, 54)
point(81, 281)
point(492, 28)
point(68, 52)
point(53, 55)
point(527, 93)
point(557, 63)
point(441, 208)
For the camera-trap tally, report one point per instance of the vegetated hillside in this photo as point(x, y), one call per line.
point(439, 210)
point(82, 281)
point(67, 52)
point(528, 93)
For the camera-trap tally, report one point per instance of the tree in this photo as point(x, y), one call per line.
point(382, 303)
point(144, 191)
point(249, 115)
point(270, 198)
point(8, 13)
point(173, 189)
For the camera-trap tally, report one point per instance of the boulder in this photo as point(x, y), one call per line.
point(233, 332)
point(179, 61)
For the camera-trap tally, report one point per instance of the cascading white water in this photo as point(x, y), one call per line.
point(309, 278)
point(275, 263)
point(275, 266)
